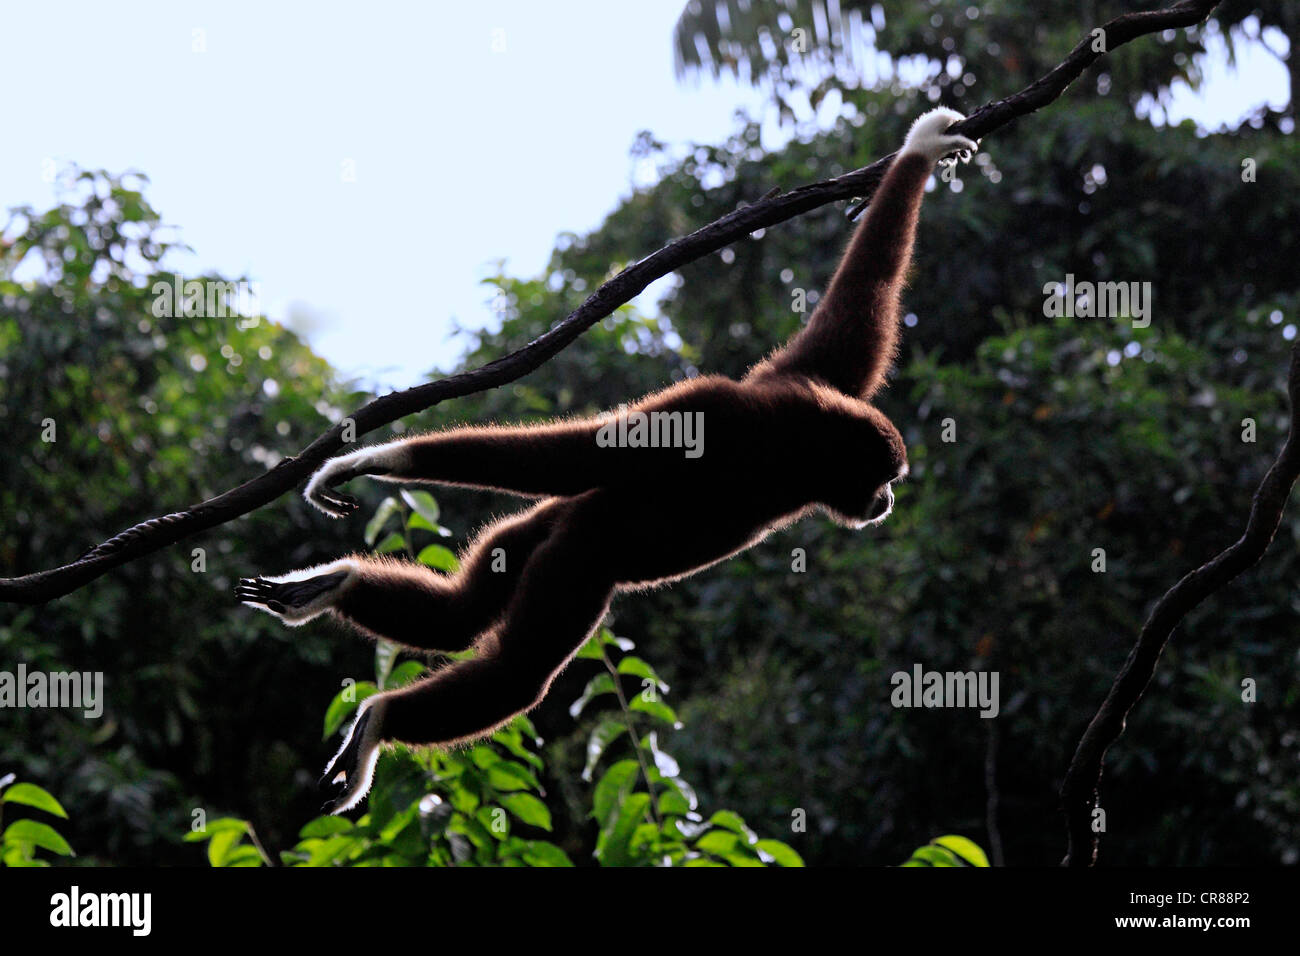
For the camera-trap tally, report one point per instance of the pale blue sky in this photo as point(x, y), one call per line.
point(463, 152)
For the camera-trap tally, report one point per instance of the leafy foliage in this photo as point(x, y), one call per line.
point(805, 50)
point(20, 839)
point(946, 851)
point(150, 412)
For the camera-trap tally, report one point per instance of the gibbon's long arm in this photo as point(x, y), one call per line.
point(852, 338)
point(555, 459)
point(561, 458)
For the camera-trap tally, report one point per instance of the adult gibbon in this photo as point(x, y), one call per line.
point(797, 434)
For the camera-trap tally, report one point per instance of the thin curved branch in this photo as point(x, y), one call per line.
point(1079, 791)
point(149, 536)
point(1047, 88)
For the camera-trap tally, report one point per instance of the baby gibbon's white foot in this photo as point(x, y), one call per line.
point(928, 137)
point(350, 773)
point(377, 460)
point(299, 596)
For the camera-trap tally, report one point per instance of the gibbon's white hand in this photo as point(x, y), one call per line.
point(928, 137)
point(377, 460)
point(321, 493)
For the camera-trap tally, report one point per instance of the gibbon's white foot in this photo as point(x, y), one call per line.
point(928, 137)
point(352, 770)
point(299, 596)
point(377, 460)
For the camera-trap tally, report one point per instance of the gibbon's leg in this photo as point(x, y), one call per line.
point(561, 597)
point(408, 602)
point(419, 607)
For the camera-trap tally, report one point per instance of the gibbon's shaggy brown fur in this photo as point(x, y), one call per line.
point(795, 435)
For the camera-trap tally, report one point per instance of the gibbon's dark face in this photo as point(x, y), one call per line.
point(878, 460)
point(893, 459)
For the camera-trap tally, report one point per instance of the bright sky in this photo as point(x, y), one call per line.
point(367, 164)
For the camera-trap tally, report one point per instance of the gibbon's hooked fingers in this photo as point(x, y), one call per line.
point(797, 434)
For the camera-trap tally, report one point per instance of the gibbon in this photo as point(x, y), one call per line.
point(796, 434)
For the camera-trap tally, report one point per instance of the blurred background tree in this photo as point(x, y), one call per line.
point(1072, 435)
point(152, 412)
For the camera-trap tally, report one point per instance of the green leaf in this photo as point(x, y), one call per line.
point(243, 856)
point(780, 853)
point(673, 804)
point(645, 838)
point(400, 822)
point(742, 857)
point(541, 853)
point(935, 856)
point(718, 842)
point(507, 775)
point(517, 748)
point(341, 708)
point(20, 854)
point(525, 726)
point(685, 789)
point(324, 852)
point(606, 636)
point(591, 650)
point(486, 819)
point(324, 827)
point(614, 842)
point(213, 827)
point(612, 788)
point(528, 809)
point(387, 508)
point(732, 821)
point(417, 523)
point(606, 732)
point(639, 668)
point(656, 709)
point(436, 556)
point(37, 834)
point(477, 833)
point(221, 844)
point(31, 795)
point(394, 542)
point(599, 684)
point(385, 657)
point(422, 503)
point(407, 672)
point(622, 643)
point(965, 850)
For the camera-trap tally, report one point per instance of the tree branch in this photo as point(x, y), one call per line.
point(149, 536)
point(1079, 791)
